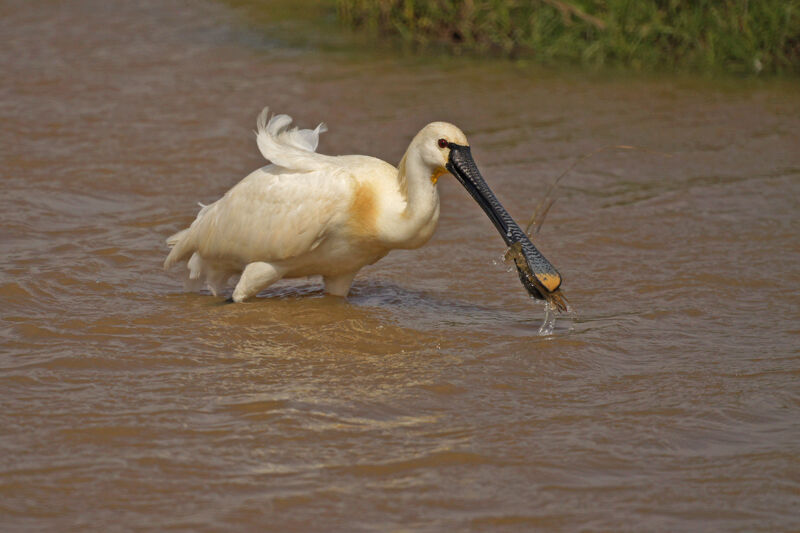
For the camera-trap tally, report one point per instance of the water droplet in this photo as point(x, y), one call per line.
point(549, 322)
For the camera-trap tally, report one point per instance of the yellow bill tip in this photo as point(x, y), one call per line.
point(551, 282)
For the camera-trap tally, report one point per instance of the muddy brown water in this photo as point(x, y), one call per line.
point(426, 401)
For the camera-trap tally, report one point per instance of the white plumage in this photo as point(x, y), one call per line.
point(312, 214)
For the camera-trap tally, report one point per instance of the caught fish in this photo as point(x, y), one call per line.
point(532, 282)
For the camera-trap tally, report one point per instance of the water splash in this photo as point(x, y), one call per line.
point(549, 322)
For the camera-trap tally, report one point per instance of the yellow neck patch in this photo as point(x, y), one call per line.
point(436, 173)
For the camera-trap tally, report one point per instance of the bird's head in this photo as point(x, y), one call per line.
point(443, 148)
point(433, 144)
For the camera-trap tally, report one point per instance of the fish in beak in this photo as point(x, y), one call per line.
point(536, 273)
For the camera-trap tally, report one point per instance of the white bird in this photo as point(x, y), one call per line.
point(312, 214)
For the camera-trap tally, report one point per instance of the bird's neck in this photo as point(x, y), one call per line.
point(417, 184)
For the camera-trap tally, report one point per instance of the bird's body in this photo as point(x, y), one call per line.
point(307, 214)
point(312, 214)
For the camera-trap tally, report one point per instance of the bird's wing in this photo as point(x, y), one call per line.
point(271, 215)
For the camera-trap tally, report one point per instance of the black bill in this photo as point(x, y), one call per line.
point(539, 277)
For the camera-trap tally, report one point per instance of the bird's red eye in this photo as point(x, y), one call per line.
point(442, 143)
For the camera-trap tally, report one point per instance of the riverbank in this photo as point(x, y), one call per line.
point(735, 37)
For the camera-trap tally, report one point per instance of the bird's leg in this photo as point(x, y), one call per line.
point(339, 285)
point(256, 276)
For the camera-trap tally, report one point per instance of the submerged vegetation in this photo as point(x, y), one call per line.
point(735, 36)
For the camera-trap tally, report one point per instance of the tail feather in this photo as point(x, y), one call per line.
point(172, 240)
point(182, 243)
point(178, 244)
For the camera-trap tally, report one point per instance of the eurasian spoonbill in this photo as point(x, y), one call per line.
point(312, 214)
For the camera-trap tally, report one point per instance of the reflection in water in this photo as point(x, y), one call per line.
point(427, 400)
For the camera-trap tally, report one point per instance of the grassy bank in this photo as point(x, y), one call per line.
point(734, 36)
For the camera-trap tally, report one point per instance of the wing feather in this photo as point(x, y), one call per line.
point(290, 148)
point(273, 214)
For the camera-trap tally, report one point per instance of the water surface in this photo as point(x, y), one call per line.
point(426, 401)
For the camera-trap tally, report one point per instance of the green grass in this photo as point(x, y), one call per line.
point(734, 36)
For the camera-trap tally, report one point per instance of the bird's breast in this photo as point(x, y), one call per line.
point(364, 211)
